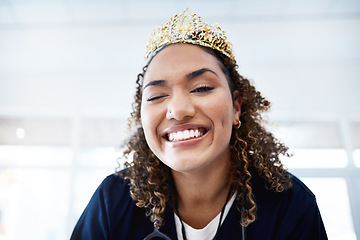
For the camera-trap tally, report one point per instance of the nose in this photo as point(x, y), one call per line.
point(180, 106)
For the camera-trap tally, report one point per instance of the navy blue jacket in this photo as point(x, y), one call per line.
point(292, 214)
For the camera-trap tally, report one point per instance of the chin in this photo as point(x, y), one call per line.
point(186, 166)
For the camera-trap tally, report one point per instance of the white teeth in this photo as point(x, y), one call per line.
point(192, 133)
point(184, 135)
point(180, 135)
point(197, 133)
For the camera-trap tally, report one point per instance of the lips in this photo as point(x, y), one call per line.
point(182, 135)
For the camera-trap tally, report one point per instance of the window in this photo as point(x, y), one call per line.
point(50, 167)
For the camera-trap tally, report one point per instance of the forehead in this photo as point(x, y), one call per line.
point(179, 60)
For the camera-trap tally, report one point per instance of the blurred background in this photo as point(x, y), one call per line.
point(67, 78)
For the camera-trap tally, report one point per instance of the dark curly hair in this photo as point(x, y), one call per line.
point(254, 150)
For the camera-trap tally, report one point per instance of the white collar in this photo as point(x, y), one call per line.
point(209, 231)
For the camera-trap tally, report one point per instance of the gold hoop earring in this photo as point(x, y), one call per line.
point(237, 126)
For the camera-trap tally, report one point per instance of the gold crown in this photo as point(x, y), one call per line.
point(189, 28)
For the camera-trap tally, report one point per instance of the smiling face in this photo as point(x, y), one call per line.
point(187, 109)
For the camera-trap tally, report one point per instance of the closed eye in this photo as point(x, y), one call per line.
point(155, 98)
point(202, 89)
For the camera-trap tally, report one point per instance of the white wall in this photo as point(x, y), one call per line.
point(67, 77)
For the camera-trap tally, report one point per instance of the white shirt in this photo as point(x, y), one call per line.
point(206, 233)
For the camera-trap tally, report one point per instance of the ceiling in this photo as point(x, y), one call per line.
point(62, 57)
point(42, 13)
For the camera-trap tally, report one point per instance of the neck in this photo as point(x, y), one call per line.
point(201, 195)
point(203, 187)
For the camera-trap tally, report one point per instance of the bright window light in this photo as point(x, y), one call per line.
point(17, 155)
point(317, 158)
point(333, 201)
point(20, 133)
point(99, 156)
point(357, 158)
point(34, 203)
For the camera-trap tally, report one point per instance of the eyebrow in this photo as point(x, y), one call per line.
point(155, 83)
point(189, 76)
point(199, 72)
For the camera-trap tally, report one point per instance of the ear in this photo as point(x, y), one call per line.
point(237, 106)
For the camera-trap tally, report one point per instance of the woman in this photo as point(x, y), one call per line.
point(202, 166)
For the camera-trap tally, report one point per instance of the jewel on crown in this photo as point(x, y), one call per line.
point(189, 28)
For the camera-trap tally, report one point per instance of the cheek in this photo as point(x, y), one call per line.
point(145, 121)
point(149, 121)
point(222, 111)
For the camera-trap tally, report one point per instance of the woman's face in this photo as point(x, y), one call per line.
point(187, 110)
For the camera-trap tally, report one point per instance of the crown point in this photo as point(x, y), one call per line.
point(189, 28)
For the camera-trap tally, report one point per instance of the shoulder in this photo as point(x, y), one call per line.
point(113, 188)
point(293, 213)
point(115, 183)
point(298, 193)
point(114, 192)
point(293, 203)
point(112, 213)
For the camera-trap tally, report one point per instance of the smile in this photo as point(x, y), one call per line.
point(185, 135)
